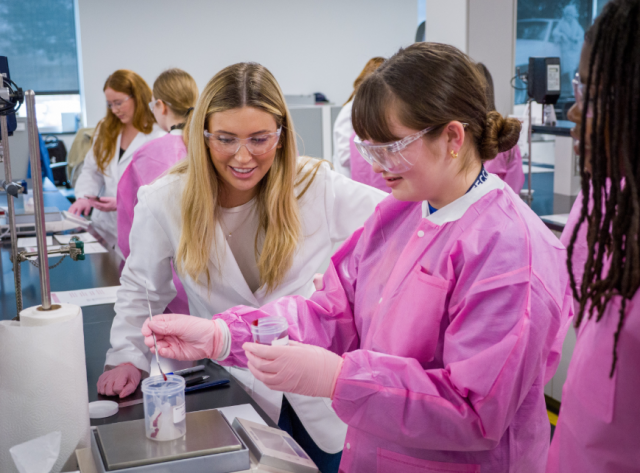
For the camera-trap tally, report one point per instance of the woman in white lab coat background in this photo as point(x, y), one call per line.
point(343, 129)
point(244, 221)
point(127, 125)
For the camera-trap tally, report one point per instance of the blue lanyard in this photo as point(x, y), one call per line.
point(482, 177)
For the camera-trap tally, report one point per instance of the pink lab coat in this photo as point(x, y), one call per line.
point(449, 325)
point(361, 171)
point(148, 163)
point(599, 425)
point(508, 167)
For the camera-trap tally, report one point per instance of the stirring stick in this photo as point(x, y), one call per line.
point(155, 343)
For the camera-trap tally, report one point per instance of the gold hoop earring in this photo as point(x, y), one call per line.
point(454, 155)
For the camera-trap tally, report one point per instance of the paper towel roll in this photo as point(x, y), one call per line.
point(43, 383)
point(32, 317)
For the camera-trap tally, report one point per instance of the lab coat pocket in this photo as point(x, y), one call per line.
point(410, 318)
point(389, 462)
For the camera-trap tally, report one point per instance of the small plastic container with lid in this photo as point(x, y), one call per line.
point(164, 407)
point(272, 330)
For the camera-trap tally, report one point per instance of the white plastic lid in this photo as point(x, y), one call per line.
point(102, 409)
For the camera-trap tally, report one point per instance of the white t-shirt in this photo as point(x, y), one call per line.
point(240, 225)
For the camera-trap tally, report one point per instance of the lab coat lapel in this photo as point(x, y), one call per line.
point(112, 168)
point(431, 226)
point(231, 274)
point(411, 254)
point(128, 154)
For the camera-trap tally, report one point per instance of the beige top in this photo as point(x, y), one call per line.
point(240, 225)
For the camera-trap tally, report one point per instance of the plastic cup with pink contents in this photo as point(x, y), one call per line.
point(272, 330)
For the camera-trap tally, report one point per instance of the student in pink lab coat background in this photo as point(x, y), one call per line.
point(346, 158)
point(598, 428)
point(441, 320)
point(508, 164)
point(174, 95)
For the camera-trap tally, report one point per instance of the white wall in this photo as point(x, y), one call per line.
point(492, 41)
point(310, 46)
point(485, 30)
point(447, 22)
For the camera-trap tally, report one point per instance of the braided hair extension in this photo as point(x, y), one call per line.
point(613, 222)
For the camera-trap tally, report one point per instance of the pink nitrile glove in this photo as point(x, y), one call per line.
point(184, 337)
point(121, 380)
point(318, 282)
point(81, 206)
point(105, 204)
point(297, 368)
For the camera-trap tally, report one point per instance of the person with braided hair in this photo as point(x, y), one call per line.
point(599, 424)
point(440, 321)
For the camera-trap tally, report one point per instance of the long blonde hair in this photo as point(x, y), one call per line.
point(179, 91)
point(108, 129)
point(241, 85)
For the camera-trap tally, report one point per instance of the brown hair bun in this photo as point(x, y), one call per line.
point(500, 134)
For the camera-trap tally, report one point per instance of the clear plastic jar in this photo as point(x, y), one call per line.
point(272, 330)
point(164, 407)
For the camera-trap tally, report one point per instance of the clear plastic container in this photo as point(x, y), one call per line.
point(272, 330)
point(164, 407)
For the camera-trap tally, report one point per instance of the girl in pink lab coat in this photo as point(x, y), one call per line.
point(508, 164)
point(599, 425)
point(440, 320)
point(174, 95)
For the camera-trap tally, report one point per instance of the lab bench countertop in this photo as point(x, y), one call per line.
point(102, 270)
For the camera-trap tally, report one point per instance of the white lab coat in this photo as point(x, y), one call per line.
point(93, 182)
point(332, 209)
point(342, 131)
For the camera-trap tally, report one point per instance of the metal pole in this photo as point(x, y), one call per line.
point(530, 196)
point(11, 214)
point(38, 203)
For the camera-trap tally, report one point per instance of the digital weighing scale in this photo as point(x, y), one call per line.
point(274, 447)
point(209, 446)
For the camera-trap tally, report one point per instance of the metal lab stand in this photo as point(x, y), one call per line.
point(13, 190)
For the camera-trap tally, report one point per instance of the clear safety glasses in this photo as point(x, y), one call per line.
point(152, 104)
point(392, 157)
point(578, 92)
point(117, 103)
point(256, 145)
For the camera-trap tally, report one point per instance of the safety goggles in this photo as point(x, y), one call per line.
point(578, 92)
point(153, 103)
point(117, 103)
point(230, 145)
point(392, 157)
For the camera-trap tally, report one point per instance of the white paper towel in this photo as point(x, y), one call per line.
point(43, 383)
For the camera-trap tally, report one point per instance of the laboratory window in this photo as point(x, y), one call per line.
point(548, 28)
point(39, 39)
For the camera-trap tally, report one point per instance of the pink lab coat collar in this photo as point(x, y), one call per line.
point(456, 209)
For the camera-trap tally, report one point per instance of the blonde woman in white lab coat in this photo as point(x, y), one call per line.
point(244, 220)
point(127, 125)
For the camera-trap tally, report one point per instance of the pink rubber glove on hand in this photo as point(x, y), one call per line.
point(81, 206)
point(106, 204)
point(296, 368)
point(184, 337)
point(122, 380)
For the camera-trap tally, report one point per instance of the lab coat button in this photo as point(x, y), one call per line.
point(380, 301)
point(348, 446)
point(420, 233)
